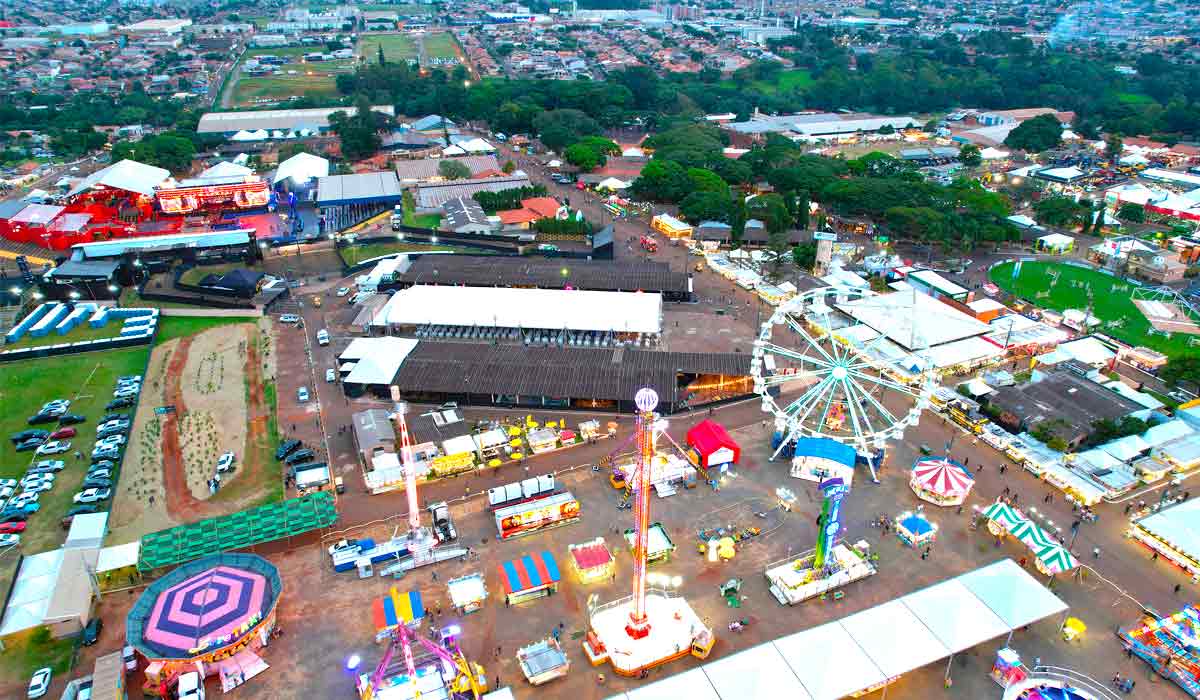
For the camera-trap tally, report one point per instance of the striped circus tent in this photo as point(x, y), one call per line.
point(941, 481)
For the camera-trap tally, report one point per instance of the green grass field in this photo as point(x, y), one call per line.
point(196, 274)
point(80, 332)
point(1133, 98)
point(298, 78)
point(170, 327)
point(356, 254)
point(1120, 318)
point(88, 380)
point(396, 47)
point(441, 45)
point(786, 81)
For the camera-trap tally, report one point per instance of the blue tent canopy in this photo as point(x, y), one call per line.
point(825, 448)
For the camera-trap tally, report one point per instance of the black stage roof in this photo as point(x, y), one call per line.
point(592, 275)
point(580, 373)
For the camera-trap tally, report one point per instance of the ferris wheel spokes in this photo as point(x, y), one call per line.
point(796, 326)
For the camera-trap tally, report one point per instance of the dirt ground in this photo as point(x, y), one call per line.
point(215, 382)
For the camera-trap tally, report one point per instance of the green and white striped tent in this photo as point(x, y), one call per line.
point(1003, 515)
point(1033, 536)
point(1057, 559)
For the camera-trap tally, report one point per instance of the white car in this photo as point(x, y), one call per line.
point(54, 465)
point(330, 375)
point(111, 441)
point(343, 291)
point(38, 487)
point(54, 447)
point(92, 495)
point(7, 483)
point(39, 683)
point(322, 337)
point(225, 463)
point(302, 394)
point(289, 318)
point(9, 540)
point(35, 478)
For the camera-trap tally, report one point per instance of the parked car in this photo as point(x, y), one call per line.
point(71, 419)
point(92, 495)
point(126, 393)
point(322, 337)
point(118, 403)
point(100, 473)
point(12, 528)
point(299, 457)
point(32, 434)
point(114, 440)
point(101, 464)
point(302, 394)
point(114, 416)
point(9, 540)
point(30, 444)
point(36, 488)
point(54, 465)
point(62, 434)
point(40, 418)
point(91, 633)
point(34, 478)
point(54, 447)
point(286, 448)
point(106, 453)
point(7, 483)
point(26, 507)
point(330, 375)
point(289, 318)
point(130, 378)
point(39, 684)
point(13, 516)
point(225, 463)
point(343, 291)
point(130, 659)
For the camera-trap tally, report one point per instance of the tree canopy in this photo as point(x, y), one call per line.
point(1035, 135)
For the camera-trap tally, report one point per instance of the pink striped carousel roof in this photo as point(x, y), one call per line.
point(942, 476)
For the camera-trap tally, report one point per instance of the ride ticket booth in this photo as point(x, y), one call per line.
point(711, 448)
point(529, 577)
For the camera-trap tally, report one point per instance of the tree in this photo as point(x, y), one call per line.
point(707, 181)
point(508, 167)
point(382, 59)
point(1061, 211)
point(559, 128)
point(662, 181)
point(1181, 368)
point(453, 170)
point(1035, 135)
point(169, 150)
point(698, 207)
point(804, 255)
point(970, 156)
point(1132, 212)
point(773, 212)
point(590, 152)
point(359, 134)
point(1113, 148)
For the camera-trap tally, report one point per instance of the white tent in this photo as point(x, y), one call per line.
point(829, 662)
point(31, 592)
point(302, 168)
point(118, 556)
point(990, 153)
point(1012, 594)
point(692, 685)
point(894, 638)
point(224, 169)
point(454, 150)
point(612, 183)
point(954, 615)
point(476, 145)
point(759, 672)
point(128, 175)
point(1056, 242)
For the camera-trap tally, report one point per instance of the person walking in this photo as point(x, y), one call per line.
point(1096, 552)
point(1177, 587)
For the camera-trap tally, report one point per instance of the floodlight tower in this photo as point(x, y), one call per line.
point(646, 401)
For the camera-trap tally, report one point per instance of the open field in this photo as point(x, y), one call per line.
point(171, 327)
point(785, 81)
point(440, 45)
point(295, 78)
point(1120, 317)
point(87, 379)
point(215, 377)
point(77, 334)
point(396, 47)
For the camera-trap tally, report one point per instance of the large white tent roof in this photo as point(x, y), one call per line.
point(1178, 526)
point(913, 320)
point(377, 359)
point(32, 591)
point(577, 310)
point(302, 167)
point(128, 175)
point(837, 659)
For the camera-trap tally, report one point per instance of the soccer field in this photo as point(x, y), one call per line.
point(1121, 319)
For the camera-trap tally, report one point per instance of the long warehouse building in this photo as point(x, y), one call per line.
point(542, 273)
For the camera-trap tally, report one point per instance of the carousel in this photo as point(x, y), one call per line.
point(940, 481)
point(915, 530)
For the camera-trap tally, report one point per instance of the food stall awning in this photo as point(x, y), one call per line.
point(396, 608)
point(458, 445)
point(529, 571)
point(590, 555)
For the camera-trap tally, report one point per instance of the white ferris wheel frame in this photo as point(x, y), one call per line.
point(836, 366)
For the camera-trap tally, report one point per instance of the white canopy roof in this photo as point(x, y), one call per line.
point(990, 153)
point(302, 167)
point(1178, 525)
point(549, 309)
point(1056, 240)
point(224, 169)
point(378, 359)
point(244, 135)
point(1012, 594)
point(128, 175)
point(31, 592)
point(914, 320)
point(1126, 448)
point(612, 183)
point(834, 660)
point(118, 556)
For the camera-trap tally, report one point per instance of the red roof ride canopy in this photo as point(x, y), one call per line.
point(712, 444)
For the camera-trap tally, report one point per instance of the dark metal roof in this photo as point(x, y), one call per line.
point(581, 373)
point(498, 271)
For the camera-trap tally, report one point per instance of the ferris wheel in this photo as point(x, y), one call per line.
point(824, 374)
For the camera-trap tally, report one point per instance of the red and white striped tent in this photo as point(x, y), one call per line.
point(941, 480)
